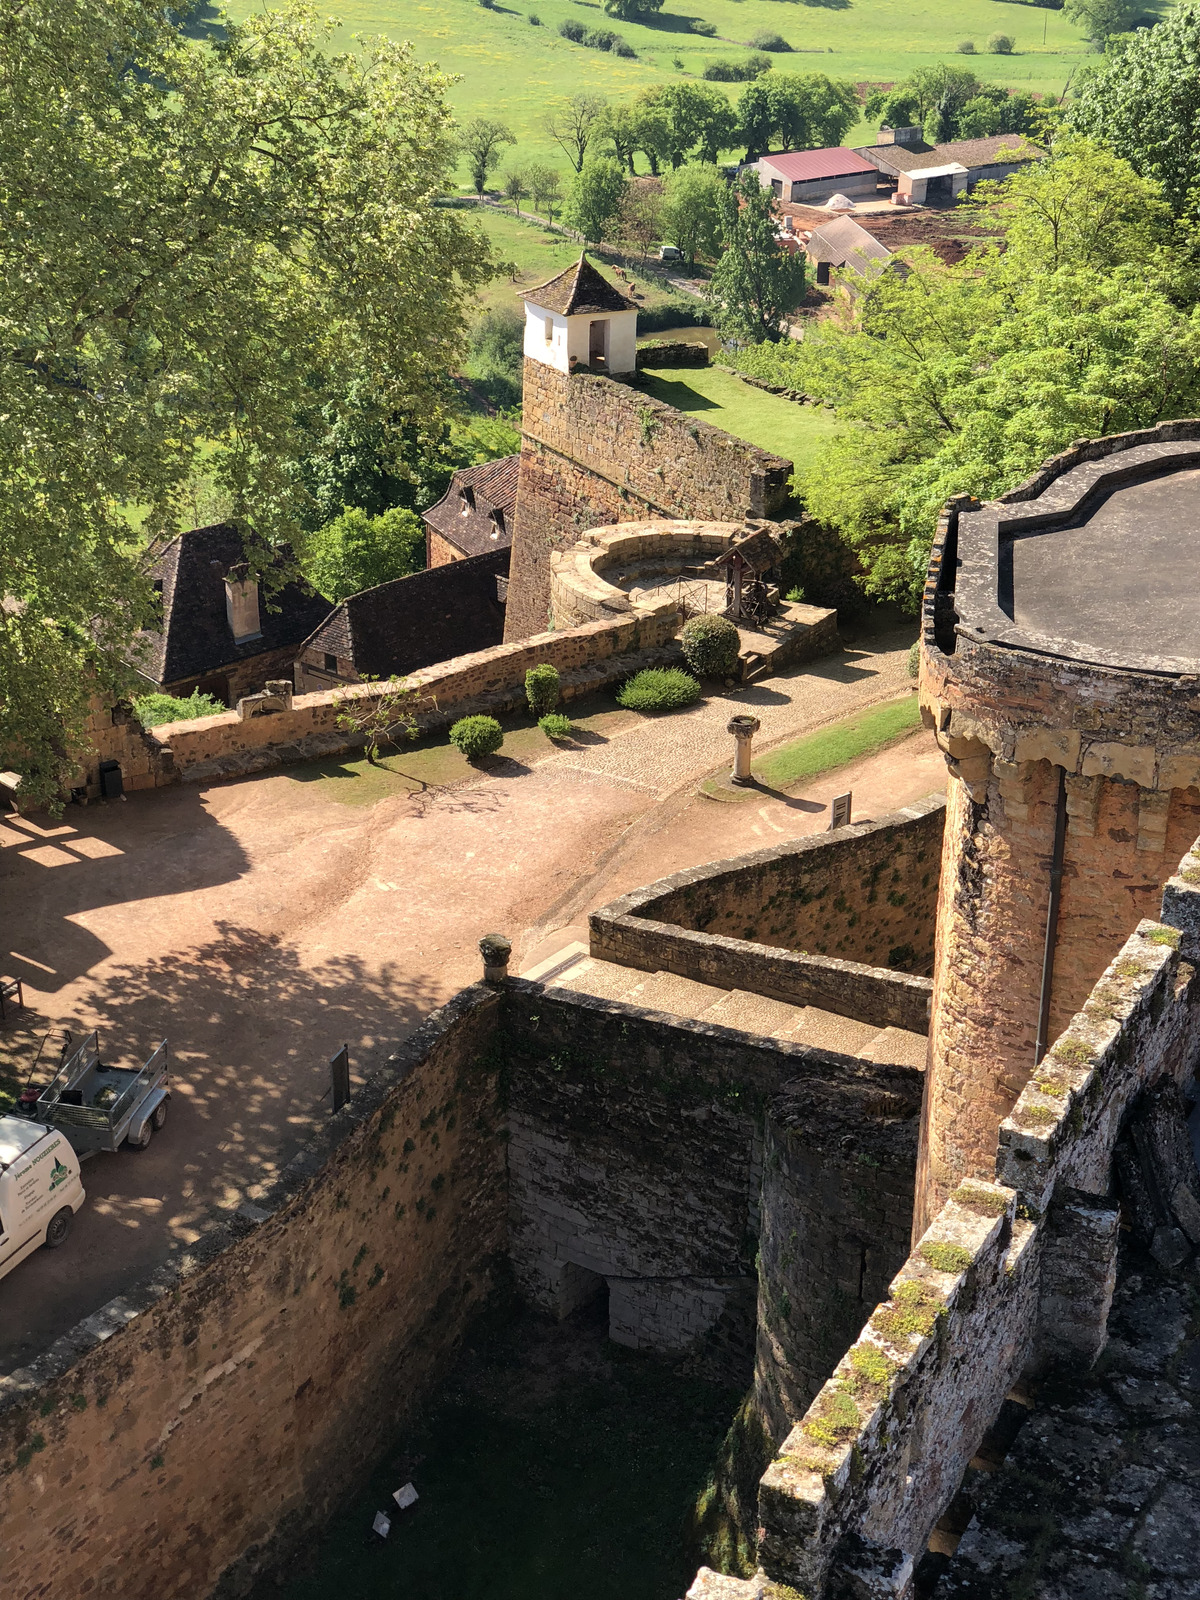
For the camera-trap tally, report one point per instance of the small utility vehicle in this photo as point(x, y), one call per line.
point(40, 1189)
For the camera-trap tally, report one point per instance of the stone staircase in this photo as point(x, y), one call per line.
point(573, 968)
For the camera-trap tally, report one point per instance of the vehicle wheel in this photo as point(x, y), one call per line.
point(146, 1136)
point(58, 1228)
point(160, 1114)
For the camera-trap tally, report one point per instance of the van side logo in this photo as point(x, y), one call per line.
point(59, 1174)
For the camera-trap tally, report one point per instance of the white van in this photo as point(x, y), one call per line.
point(40, 1189)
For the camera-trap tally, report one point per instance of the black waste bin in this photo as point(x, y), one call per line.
point(112, 786)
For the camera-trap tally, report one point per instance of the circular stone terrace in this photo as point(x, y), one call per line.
point(642, 568)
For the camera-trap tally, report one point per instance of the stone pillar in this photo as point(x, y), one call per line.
point(743, 730)
point(1078, 1275)
point(495, 950)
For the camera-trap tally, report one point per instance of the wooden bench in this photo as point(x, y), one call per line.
point(8, 988)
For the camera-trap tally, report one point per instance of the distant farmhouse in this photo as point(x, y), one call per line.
point(220, 634)
point(926, 174)
point(807, 177)
point(842, 243)
point(475, 515)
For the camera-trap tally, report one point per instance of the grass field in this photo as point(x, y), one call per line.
point(773, 424)
point(514, 71)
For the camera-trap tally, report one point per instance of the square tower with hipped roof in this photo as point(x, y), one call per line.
point(579, 319)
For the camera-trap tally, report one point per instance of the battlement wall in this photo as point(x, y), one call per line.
point(1010, 1276)
point(843, 921)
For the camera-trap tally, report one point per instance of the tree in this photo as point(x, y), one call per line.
point(574, 126)
point(516, 187)
point(596, 196)
point(192, 243)
point(810, 111)
point(545, 187)
point(963, 379)
point(756, 120)
point(1144, 102)
point(641, 215)
point(994, 110)
point(1098, 20)
point(632, 10)
point(356, 551)
point(757, 283)
point(689, 117)
point(621, 126)
point(694, 197)
point(481, 144)
point(497, 354)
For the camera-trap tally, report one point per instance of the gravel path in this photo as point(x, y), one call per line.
point(663, 754)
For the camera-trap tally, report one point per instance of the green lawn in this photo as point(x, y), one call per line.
point(511, 70)
point(766, 420)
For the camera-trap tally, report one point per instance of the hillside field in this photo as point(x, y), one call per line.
point(513, 71)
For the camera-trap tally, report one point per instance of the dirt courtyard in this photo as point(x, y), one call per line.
point(259, 925)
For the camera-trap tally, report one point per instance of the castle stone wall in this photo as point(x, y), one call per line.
point(853, 906)
point(859, 1483)
point(594, 451)
point(636, 1157)
point(193, 1430)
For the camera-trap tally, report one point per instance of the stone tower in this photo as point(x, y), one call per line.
point(1061, 672)
point(596, 450)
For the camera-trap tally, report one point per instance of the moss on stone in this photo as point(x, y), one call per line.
point(832, 1419)
point(1168, 936)
point(871, 1372)
point(1073, 1051)
point(1056, 1087)
point(945, 1257)
point(912, 1310)
point(983, 1200)
point(1037, 1116)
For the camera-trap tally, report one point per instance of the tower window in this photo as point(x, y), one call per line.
point(549, 327)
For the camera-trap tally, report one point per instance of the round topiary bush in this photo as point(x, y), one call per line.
point(1001, 44)
point(711, 646)
point(541, 688)
point(477, 736)
point(659, 689)
point(555, 726)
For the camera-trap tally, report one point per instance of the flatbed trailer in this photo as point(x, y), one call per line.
point(98, 1107)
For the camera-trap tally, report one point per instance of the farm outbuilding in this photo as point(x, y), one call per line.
point(810, 176)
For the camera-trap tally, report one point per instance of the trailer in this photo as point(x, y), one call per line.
point(98, 1107)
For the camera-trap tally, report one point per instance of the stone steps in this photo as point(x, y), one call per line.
point(573, 968)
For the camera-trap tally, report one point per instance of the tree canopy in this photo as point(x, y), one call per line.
point(204, 243)
point(964, 379)
point(757, 283)
point(594, 205)
point(1145, 103)
point(356, 551)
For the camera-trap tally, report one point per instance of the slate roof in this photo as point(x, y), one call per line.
point(807, 166)
point(998, 150)
point(195, 638)
point(476, 512)
point(841, 239)
point(413, 622)
point(580, 290)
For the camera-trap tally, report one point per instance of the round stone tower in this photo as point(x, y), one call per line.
point(1060, 669)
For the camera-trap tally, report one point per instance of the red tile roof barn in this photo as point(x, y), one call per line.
point(806, 166)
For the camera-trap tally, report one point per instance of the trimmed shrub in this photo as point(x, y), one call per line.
point(570, 29)
point(151, 709)
point(965, 47)
point(477, 736)
point(914, 659)
point(1001, 44)
point(600, 39)
point(555, 726)
point(711, 646)
point(659, 689)
point(767, 39)
point(542, 688)
point(625, 49)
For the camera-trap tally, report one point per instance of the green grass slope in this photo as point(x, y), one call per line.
point(513, 71)
point(766, 420)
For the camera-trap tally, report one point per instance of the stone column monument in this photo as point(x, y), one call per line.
point(1060, 670)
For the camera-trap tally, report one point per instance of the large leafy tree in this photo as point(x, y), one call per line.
point(483, 142)
point(1145, 103)
point(594, 205)
point(687, 118)
point(356, 551)
point(202, 241)
point(1100, 19)
point(963, 379)
point(693, 208)
point(757, 283)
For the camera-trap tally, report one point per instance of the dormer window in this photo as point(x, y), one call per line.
point(497, 519)
point(468, 500)
point(241, 608)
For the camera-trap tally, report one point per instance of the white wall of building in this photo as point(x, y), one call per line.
point(555, 340)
